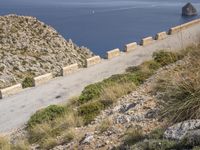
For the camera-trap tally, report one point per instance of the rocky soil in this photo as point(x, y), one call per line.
point(29, 47)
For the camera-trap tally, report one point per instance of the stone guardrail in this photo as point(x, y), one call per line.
point(147, 41)
point(93, 61)
point(10, 91)
point(113, 53)
point(42, 79)
point(161, 35)
point(130, 47)
point(69, 69)
point(179, 28)
point(96, 59)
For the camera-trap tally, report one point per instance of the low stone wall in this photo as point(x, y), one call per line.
point(10, 91)
point(93, 61)
point(146, 41)
point(161, 36)
point(69, 69)
point(131, 46)
point(42, 79)
point(183, 26)
point(113, 53)
point(175, 30)
point(191, 23)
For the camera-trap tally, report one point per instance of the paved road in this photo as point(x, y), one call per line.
point(16, 110)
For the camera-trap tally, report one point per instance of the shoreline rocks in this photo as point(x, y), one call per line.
point(189, 10)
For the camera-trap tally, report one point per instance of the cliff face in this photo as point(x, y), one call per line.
point(28, 47)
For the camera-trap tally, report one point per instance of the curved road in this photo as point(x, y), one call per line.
point(16, 110)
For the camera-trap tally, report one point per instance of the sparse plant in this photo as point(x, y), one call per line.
point(133, 135)
point(28, 82)
point(105, 124)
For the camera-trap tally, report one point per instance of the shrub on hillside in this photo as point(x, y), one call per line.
point(90, 92)
point(48, 114)
point(165, 58)
point(90, 110)
point(28, 82)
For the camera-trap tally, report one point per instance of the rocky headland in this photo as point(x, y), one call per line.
point(29, 48)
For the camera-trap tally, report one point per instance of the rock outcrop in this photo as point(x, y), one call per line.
point(179, 130)
point(28, 47)
point(189, 10)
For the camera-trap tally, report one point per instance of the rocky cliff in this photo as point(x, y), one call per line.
point(29, 47)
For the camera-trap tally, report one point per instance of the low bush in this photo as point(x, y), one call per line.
point(90, 110)
point(28, 82)
point(165, 58)
point(45, 115)
point(90, 92)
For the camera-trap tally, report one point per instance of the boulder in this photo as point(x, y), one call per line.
point(189, 10)
point(179, 130)
point(192, 137)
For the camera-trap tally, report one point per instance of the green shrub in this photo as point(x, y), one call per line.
point(48, 114)
point(28, 82)
point(165, 58)
point(90, 92)
point(90, 110)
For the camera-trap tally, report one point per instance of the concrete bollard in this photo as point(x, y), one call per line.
point(146, 41)
point(175, 30)
point(42, 79)
point(93, 61)
point(10, 91)
point(161, 36)
point(113, 53)
point(131, 46)
point(69, 69)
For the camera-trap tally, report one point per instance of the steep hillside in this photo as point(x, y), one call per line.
point(28, 47)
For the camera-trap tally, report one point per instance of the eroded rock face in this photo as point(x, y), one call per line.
point(189, 10)
point(179, 130)
point(28, 47)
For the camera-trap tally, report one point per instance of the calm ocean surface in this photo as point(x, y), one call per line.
point(102, 25)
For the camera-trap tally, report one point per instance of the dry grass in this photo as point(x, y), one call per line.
point(117, 90)
point(104, 126)
point(182, 93)
point(4, 144)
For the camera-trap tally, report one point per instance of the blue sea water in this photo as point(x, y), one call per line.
point(102, 25)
